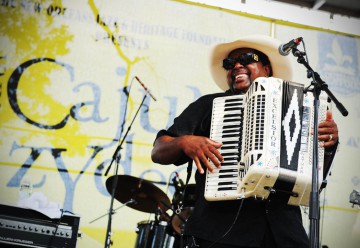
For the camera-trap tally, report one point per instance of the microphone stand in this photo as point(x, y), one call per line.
point(314, 203)
point(117, 157)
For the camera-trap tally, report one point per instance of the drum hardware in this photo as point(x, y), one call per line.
point(114, 211)
point(152, 234)
point(183, 202)
point(175, 211)
point(139, 194)
point(144, 196)
point(179, 207)
point(178, 210)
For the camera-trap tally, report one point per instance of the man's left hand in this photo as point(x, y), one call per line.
point(328, 131)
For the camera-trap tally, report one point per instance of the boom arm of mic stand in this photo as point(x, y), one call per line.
point(114, 185)
point(325, 88)
point(317, 79)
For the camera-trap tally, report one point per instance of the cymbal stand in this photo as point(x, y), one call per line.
point(318, 85)
point(114, 211)
point(117, 157)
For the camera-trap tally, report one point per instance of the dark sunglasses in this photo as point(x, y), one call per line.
point(244, 59)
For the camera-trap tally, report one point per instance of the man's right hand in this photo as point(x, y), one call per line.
point(201, 149)
point(168, 149)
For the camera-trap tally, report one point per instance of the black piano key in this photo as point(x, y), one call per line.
point(232, 120)
point(230, 154)
point(231, 115)
point(229, 142)
point(229, 158)
point(227, 188)
point(230, 126)
point(232, 108)
point(228, 176)
point(229, 147)
point(227, 183)
point(230, 170)
point(228, 163)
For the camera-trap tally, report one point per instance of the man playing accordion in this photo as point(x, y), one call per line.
point(248, 222)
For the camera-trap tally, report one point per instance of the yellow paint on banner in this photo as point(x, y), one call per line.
point(38, 36)
point(342, 209)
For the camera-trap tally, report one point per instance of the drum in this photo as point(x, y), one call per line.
point(183, 204)
point(151, 234)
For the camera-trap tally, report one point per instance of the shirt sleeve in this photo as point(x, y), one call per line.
point(194, 120)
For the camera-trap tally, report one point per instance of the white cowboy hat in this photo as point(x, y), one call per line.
point(281, 65)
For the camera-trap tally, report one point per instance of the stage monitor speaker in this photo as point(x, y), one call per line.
point(21, 227)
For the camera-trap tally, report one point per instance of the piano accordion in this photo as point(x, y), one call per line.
point(267, 142)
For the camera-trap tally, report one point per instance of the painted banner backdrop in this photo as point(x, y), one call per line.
point(69, 96)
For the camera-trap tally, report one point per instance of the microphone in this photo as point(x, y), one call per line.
point(145, 88)
point(284, 49)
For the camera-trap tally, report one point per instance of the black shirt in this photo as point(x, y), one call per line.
point(210, 220)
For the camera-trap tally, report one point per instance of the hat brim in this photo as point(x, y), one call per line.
point(281, 65)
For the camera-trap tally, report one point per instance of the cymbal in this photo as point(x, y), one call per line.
point(148, 197)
